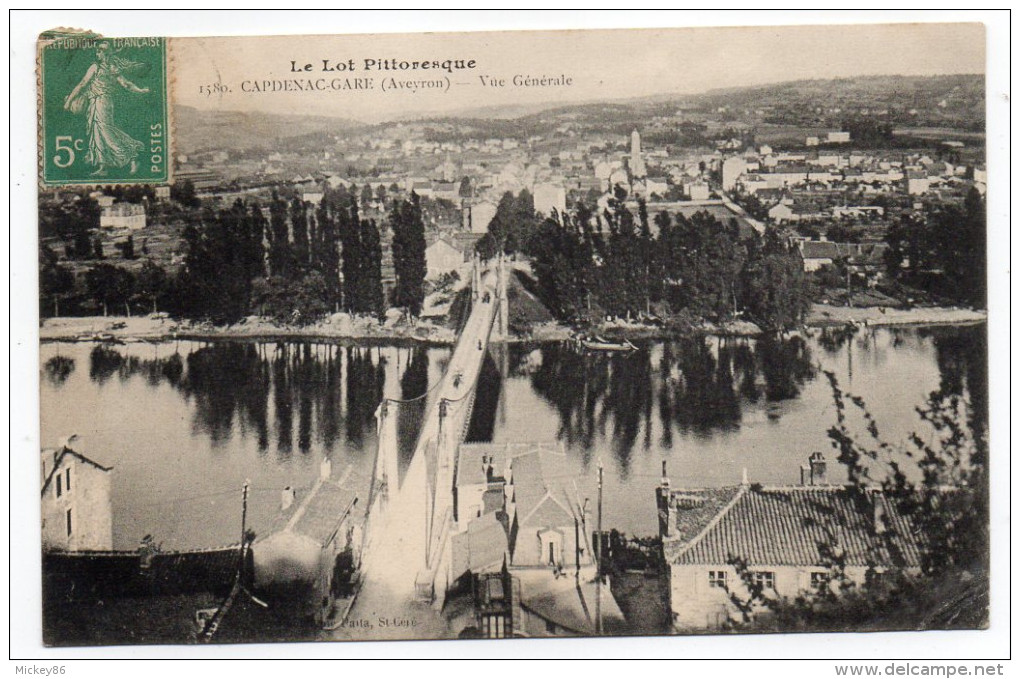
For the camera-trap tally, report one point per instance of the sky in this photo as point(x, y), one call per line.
point(602, 64)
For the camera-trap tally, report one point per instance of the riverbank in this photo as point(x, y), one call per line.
point(336, 327)
point(345, 327)
point(827, 315)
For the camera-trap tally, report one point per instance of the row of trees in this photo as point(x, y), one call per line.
point(613, 263)
point(289, 260)
point(944, 251)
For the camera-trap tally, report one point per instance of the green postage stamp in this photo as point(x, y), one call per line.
point(104, 110)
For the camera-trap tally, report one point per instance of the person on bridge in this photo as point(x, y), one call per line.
point(479, 345)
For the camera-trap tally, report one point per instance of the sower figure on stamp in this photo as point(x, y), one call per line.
point(109, 146)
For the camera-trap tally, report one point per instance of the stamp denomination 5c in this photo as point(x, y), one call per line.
point(104, 113)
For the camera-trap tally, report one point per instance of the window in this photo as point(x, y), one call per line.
point(60, 485)
point(765, 579)
point(67, 484)
point(68, 523)
point(819, 579)
point(717, 579)
point(494, 627)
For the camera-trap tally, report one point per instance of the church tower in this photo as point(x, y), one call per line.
point(637, 164)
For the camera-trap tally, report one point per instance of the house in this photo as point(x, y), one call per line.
point(549, 198)
point(816, 254)
point(77, 510)
point(122, 216)
point(446, 191)
point(697, 190)
point(838, 138)
point(917, 182)
point(732, 168)
point(656, 185)
point(781, 212)
point(516, 523)
point(310, 542)
point(442, 257)
point(478, 216)
point(782, 535)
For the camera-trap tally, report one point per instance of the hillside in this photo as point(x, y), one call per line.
point(239, 131)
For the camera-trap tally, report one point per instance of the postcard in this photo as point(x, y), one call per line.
point(513, 334)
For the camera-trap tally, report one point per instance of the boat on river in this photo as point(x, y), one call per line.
point(597, 343)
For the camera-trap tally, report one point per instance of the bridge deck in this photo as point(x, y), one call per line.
point(415, 513)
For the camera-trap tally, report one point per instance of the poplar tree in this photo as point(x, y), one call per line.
point(409, 254)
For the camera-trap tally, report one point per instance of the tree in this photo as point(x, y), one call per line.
point(152, 283)
point(216, 281)
point(281, 254)
point(773, 285)
point(55, 281)
point(127, 248)
point(299, 229)
point(184, 193)
point(943, 499)
point(110, 286)
point(373, 300)
point(409, 254)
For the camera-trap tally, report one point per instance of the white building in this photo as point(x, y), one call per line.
point(637, 163)
point(442, 257)
point(77, 512)
point(550, 198)
point(918, 183)
point(478, 216)
point(780, 534)
point(697, 190)
point(732, 168)
point(839, 137)
point(122, 216)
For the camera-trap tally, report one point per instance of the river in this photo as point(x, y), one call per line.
point(184, 424)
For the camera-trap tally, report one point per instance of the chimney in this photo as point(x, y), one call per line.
point(878, 511)
point(805, 475)
point(286, 498)
point(666, 506)
point(818, 476)
point(325, 469)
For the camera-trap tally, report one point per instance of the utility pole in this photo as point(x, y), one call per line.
point(598, 561)
point(244, 513)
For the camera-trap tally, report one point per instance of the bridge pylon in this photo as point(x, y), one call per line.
point(503, 310)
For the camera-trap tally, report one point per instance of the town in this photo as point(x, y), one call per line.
point(586, 238)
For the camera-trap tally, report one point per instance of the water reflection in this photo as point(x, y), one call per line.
point(217, 413)
point(58, 369)
point(262, 391)
point(697, 385)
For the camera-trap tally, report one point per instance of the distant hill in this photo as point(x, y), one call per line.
point(203, 130)
point(962, 94)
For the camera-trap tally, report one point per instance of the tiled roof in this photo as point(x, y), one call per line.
point(483, 545)
point(318, 513)
point(793, 526)
point(813, 249)
point(470, 470)
point(540, 499)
